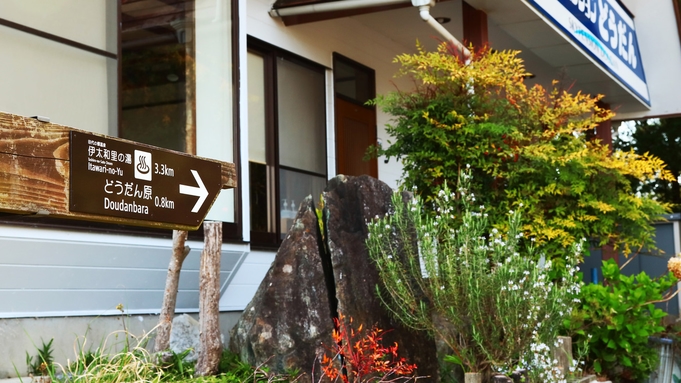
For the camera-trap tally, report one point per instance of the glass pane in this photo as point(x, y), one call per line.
point(260, 189)
point(214, 115)
point(256, 108)
point(353, 81)
point(78, 20)
point(302, 117)
point(294, 188)
point(261, 211)
point(157, 87)
point(76, 88)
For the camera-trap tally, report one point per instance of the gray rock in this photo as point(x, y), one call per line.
point(350, 202)
point(289, 320)
point(185, 335)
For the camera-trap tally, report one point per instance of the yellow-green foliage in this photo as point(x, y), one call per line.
point(524, 144)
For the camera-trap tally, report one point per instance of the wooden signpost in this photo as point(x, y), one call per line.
point(54, 170)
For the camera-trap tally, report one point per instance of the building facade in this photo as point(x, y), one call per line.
point(279, 89)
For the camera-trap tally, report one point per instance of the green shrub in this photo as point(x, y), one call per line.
point(616, 318)
point(134, 363)
point(524, 145)
point(499, 306)
point(42, 363)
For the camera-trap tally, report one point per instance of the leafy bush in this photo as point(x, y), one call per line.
point(616, 318)
point(43, 363)
point(499, 307)
point(524, 144)
point(661, 138)
point(134, 363)
point(359, 356)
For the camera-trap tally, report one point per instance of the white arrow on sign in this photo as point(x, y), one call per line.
point(199, 191)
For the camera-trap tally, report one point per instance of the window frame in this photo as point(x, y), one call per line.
point(232, 232)
point(270, 53)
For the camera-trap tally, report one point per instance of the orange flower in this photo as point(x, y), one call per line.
point(363, 356)
point(674, 265)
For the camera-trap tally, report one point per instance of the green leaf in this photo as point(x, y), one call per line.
point(624, 343)
point(626, 361)
point(597, 366)
point(609, 357)
point(453, 359)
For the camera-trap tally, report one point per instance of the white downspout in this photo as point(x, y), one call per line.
point(332, 6)
point(424, 12)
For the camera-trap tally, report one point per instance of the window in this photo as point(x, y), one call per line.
point(354, 85)
point(177, 82)
point(154, 71)
point(287, 138)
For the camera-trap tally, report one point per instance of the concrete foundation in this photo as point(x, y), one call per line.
point(72, 334)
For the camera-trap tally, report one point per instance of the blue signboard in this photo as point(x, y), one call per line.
point(604, 31)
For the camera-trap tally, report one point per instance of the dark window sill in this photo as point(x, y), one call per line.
point(264, 241)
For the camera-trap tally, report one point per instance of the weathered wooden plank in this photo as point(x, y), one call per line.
point(228, 175)
point(34, 171)
point(33, 184)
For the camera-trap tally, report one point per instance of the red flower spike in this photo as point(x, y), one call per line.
point(365, 357)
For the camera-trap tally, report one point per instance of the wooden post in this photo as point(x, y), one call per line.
point(180, 252)
point(473, 377)
point(209, 297)
point(563, 353)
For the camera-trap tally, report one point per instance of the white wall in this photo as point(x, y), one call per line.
point(73, 335)
point(658, 40)
point(318, 41)
point(42, 77)
point(246, 281)
point(48, 272)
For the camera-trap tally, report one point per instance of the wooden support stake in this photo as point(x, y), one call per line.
point(563, 353)
point(180, 252)
point(210, 346)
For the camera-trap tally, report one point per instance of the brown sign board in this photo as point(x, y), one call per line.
point(51, 170)
point(130, 180)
